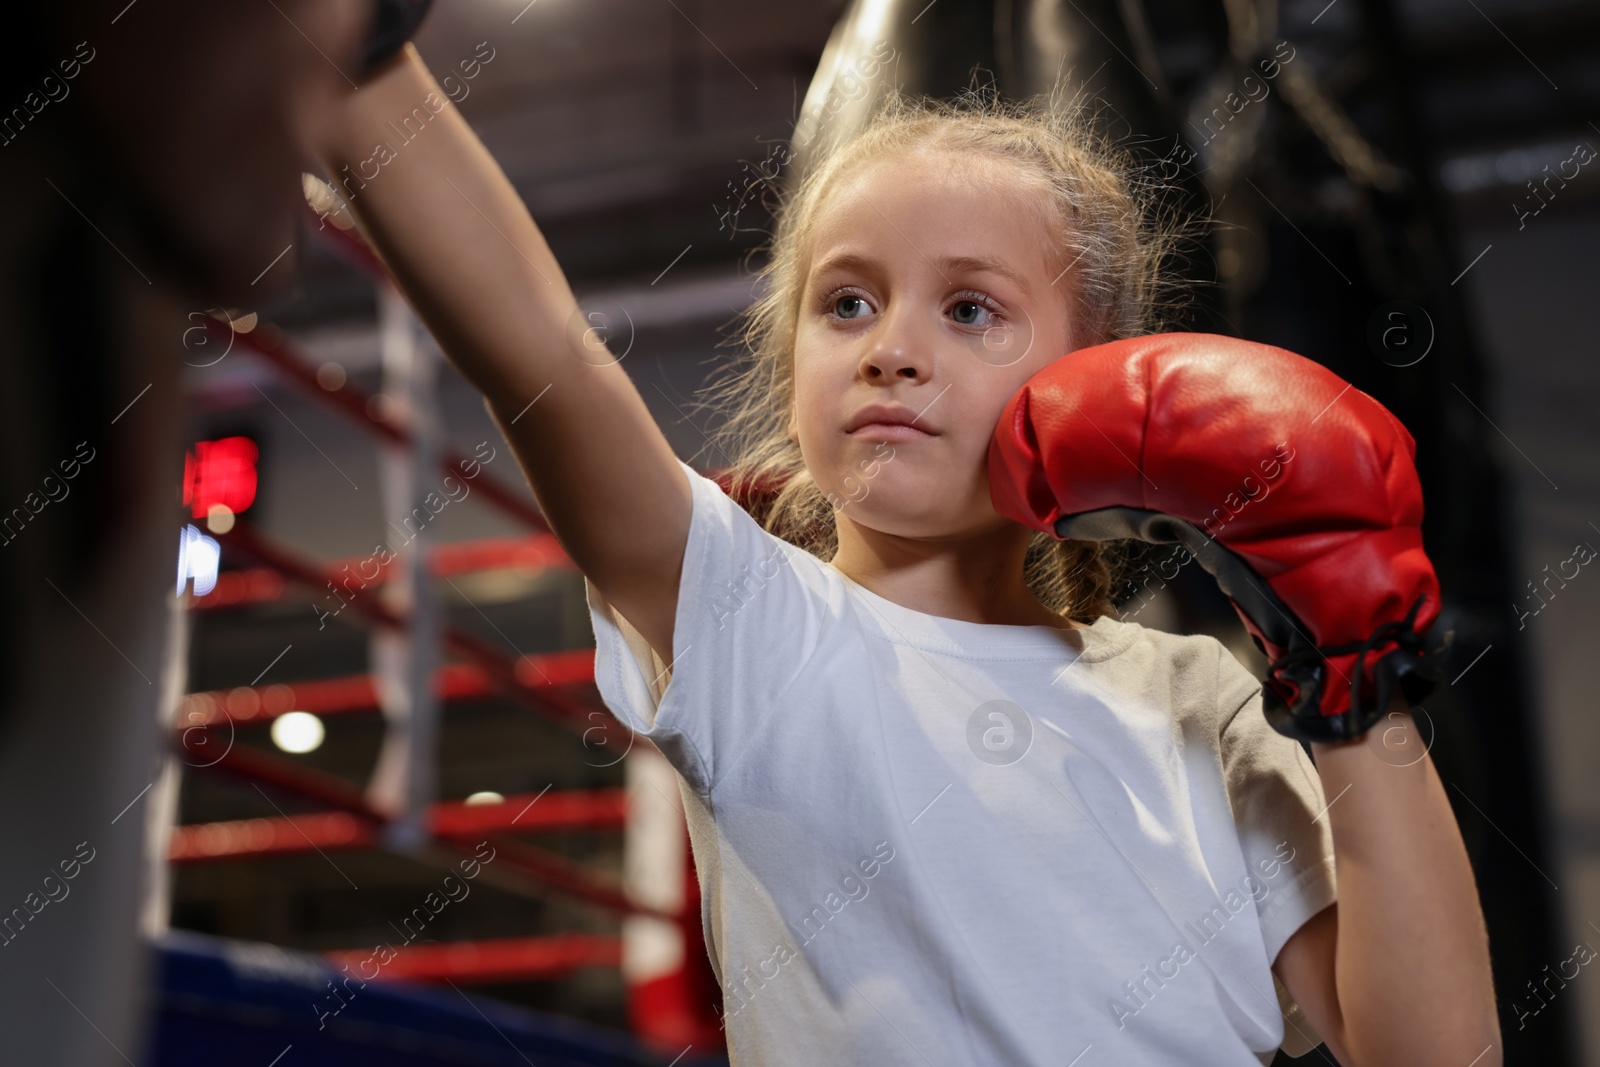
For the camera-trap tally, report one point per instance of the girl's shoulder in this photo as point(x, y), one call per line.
point(1202, 674)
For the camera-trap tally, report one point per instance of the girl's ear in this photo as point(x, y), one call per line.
point(794, 425)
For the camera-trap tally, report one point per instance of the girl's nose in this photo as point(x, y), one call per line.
point(897, 352)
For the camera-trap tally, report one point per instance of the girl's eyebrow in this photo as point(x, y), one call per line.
point(845, 261)
point(944, 265)
point(975, 264)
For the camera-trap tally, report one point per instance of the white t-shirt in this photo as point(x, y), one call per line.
point(926, 841)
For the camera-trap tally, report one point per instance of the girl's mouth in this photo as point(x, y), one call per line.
point(889, 431)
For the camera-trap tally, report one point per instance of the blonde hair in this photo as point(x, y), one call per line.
point(1107, 221)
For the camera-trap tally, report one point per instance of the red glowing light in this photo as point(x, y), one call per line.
point(220, 472)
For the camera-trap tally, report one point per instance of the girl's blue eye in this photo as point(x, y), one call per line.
point(966, 309)
point(847, 299)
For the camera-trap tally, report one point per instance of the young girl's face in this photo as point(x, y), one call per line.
point(928, 294)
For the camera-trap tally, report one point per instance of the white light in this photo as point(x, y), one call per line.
point(485, 797)
point(219, 518)
point(1485, 170)
point(297, 731)
point(331, 376)
point(198, 556)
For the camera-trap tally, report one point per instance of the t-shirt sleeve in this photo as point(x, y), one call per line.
point(748, 612)
point(1278, 806)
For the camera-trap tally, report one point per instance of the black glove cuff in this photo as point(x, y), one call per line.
point(1411, 669)
point(394, 23)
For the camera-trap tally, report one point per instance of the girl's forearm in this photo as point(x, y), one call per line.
point(451, 229)
point(463, 248)
point(1412, 957)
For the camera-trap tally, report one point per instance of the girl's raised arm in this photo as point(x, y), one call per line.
point(467, 255)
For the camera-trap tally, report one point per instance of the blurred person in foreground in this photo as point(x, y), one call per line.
point(149, 167)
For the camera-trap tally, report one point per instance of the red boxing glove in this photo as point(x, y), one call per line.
point(1295, 491)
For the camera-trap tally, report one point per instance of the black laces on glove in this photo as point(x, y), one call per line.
point(1302, 665)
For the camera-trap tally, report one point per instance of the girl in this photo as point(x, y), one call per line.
point(945, 808)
